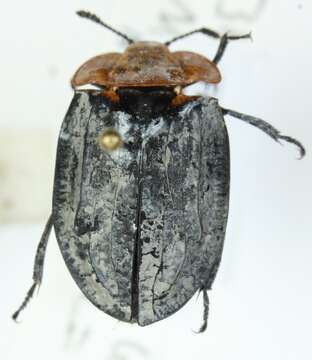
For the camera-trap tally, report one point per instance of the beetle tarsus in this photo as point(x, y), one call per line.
point(267, 128)
point(205, 313)
point(38, 267)
point(291, 140)
point(28, 296)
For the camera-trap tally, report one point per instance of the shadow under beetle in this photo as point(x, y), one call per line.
point(141, 189)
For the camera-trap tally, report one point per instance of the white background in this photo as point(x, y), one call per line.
point(261, 300)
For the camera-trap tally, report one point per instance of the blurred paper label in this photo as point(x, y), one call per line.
point(26, 174)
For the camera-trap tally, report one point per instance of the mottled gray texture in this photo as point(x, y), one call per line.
point(161, 199)
point(141, 228)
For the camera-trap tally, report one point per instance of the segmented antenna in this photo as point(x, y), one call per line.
point(88, 15)
point(204, 31)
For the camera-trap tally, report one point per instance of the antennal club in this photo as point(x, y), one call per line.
point(92, 17)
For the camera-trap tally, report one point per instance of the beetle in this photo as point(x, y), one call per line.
point(142, 180)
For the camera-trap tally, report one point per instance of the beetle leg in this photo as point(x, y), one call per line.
point(224, 43)
point(206, 311)
point(267, 128)
point(38, 266)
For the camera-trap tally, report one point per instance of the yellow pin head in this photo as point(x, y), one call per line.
point(110, 140)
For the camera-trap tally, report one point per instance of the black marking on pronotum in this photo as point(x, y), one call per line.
point(142, 181)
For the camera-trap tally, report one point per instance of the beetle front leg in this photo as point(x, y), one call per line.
point(224, 43)
point(38, 266)
point(267, 128)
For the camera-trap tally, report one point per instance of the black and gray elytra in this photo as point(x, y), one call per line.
point(141, 227)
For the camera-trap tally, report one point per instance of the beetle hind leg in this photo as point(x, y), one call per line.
point(206, 311)
point(38, 267)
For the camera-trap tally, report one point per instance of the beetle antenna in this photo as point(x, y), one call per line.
point(204, 31)
point(88, 15)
